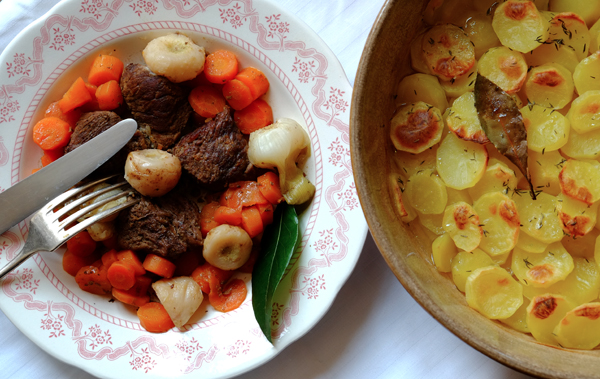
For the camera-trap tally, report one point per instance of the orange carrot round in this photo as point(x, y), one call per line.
point(109, 258)
point(207, 275)
point(256, 81)
point(227, 215)
point(252, 221)
point(231, 297)
point(72, 263)
point(159, 265)
point(207, 217)
point(93, 279)
point(154, 318)
point(51, 133)
point(207, 101)
point(131, 259)
point(121, 276)
point(76, 96)
point(268, 184)
point(51, 155)
point(129, 297)
point(70, 117)
point(109, 96)
point(255, 116)
point(237, 94)
point(104, 69)
point(82, 244)
point(220, 66)
point(266, 213)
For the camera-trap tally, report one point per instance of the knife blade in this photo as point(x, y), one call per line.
point(32, 193)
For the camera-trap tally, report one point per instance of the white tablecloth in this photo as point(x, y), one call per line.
point(374, 328)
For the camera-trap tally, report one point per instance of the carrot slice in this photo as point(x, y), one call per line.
point(268, 184)
point(82, 244)
point(51, 133)
point(77, 95)
point(255, 116)
point(51, 155)
point(207, 101)
point(154, 318)
point(104, 69)
point(71, 117)
point(231, 297)
point(159, 265)
point(187, 262)
point(109, 258)
point(227, 215)
point(72, 263)
point(237, 94)
point(220, 66)
point(207, 217)
point(207, 274)
point(232, 196)
point(266, 213)
point(252, 221)
point(130, 258)
point(93, 279)
point(121, 276)
point(129, 297)
point(242, 194)
point(256, 81)
point(109, 96)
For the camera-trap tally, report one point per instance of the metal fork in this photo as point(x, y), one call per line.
point(49, 228)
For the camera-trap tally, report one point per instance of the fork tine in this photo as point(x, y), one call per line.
point(72, 218)
point(69, 207)
point(69, 233)
point(74, 191)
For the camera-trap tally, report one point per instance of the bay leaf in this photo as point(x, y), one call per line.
point(503, 124)
point(279, 242)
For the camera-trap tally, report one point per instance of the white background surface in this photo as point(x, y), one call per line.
point(374, 328)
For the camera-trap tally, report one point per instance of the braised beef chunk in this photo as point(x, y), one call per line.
point(216, 153)
point(165, 226)
point(156, 104)
point(89, 126)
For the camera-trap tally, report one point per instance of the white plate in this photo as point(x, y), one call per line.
point(307, 84)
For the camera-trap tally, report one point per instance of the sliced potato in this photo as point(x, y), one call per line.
point(547, 130)
point(421, 87)
point(584, 113)
point(550, 85)
point(461, 223)
point(581, 247)
point(408, 163)
point(432, 222)
point(519, 25)
point(443, 250)
point(500, 222)
point(461, 84)
point(544, 313)
point(448, 51)
point(495, 154)
point(493, 292)
point(539, 218)
point(497, 177)
point(396, 188)
point(417, 57)
point(588, 10)
point(552, 53)
point(586, 76)
point(506, 68)
point(464, 263)
point(594, 32)
point(416, 127)
point(580, 328)
point(463, 120)
point(426, 192)
point(461, 163)
point(581, 180)
point(571, 29)
point(544, 169)
point(480, 31)
point(582, 145)
point(530, 244)
point(541, 270)
point(578, 218)
point(518, 320)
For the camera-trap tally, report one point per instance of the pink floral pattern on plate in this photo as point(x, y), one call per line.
point(106, 338)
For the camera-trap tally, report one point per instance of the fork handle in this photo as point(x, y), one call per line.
point(27, 251)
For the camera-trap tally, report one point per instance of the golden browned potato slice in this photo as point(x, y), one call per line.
point(421, 87)
point(530, 244)
point(550, 85)
point(519, 25)
point(586, 76)
point(495, 154)
point(480, 31)
point(416, 127)
point(541, 270)
point(426, 192)
point(518, 320)
point(544, 313)
point(396, 188)
point(432, 222)
point(580, 328)
point(448, 51)
point(577, 217)
point(552, 53)
point(461, 163)
point(443, 250)
point(493, 292)
point(500, 222)
point(580, 286)
point(582, 145)
point(506, 68)
point(538, 217)
point(547, 130)
point(569, 31)
point(497, 177)
point(589, 10)
point(464, 263)
point(584, 113)
point(464, 83)
point(544, 169)
point(581, 180)
point(417, 57)
point(408, 163)
point(463, 120)
point(461, 223)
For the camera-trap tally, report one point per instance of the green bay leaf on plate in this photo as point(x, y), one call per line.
point(278, 244)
